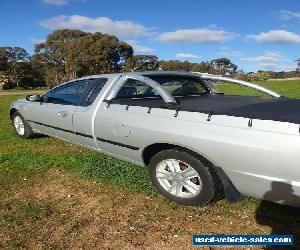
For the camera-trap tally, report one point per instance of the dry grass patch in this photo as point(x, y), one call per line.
point(59, 210)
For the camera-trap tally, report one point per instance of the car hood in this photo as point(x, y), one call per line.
point(19, 102)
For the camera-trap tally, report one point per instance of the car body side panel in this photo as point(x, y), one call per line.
point(252, 157)
point(110, 125)
point(82, 122)
point(53, 119)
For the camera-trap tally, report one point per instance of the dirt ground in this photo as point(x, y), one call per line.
point(61, 211)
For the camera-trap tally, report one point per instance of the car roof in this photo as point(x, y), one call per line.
point(163, 73)
point(145, 73)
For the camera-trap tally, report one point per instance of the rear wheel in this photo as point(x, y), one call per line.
point(21, 126)
point(184, 178)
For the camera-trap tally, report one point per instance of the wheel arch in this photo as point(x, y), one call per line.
point(152, 149)
point(230, 191)
point(11, 112)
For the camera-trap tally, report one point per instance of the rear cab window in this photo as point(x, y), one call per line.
point(138, 93)
point(232, 89)
point(181, 86)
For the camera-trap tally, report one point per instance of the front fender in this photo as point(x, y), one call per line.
point(17, 105)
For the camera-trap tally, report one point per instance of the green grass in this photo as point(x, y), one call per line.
point(22, 89)
point(288, 88)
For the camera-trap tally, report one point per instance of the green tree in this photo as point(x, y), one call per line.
point(298, 64)
point(3, 60)
point(241, 75)
point(54, 76)
point(68, 54)
point(16, 54)
point(95, 54)
point(54, 50)
point(175, 65)
point(53, 54)
point(203, 67)
point(38, 71)
point(223, 66)
point(141, 63)
point(17, 63)
point(260, 76)
point(3, 68)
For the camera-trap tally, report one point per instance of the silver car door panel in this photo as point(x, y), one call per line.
point(112, 136)
point(83, 126)
point(54, 119)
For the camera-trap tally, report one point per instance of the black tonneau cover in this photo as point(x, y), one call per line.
point(263, 108)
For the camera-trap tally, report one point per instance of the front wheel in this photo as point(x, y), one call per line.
point(184, 178)
point(21, 126)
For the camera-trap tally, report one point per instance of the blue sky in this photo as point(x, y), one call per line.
point(257, 34)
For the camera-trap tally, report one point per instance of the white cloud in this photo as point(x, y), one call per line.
point(186, 56)
point(198, 35)
point(277, 67)
point(58, 2)
point(286, 15)
point(226, 52)
point(268, 57)
point(138, 49)
point(271, 61)
point(275, 36)
point(121, 29)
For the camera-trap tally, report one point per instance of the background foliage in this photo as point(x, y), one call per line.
point(68, 54)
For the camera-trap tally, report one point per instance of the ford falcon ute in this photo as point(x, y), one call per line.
point(198, 144)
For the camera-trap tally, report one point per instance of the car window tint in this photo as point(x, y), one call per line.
point(181, 85)
point(229, 88)
point(136, 89)
point(69, 94)
point(98, 84)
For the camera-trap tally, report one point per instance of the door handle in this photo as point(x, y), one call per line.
point(62, 114)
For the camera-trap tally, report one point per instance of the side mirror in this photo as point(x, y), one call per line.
point(34, 98)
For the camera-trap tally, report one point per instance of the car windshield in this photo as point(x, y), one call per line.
point(181, 85)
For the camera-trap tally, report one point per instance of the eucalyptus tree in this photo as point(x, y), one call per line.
point(68, 54)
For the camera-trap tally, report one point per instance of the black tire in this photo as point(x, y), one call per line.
point(28, 133)
point(211, 189)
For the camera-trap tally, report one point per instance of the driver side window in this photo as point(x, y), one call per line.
point(69, 94)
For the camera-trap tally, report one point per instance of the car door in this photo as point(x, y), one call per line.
point(119, 123)
point(82, 119)
point(54, 115)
